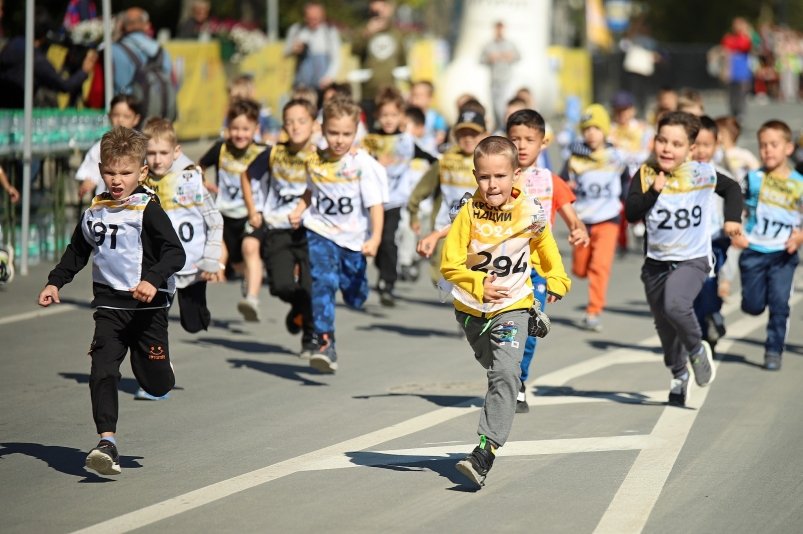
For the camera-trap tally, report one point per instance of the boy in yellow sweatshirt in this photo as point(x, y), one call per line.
point(495, 239)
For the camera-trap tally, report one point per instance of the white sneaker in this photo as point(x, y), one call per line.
point(249, 308)
point(592, 323)
point(6, 266)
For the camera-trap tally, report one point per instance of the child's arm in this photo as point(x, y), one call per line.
point(455, 255)
point(639, 202)
point(211, 159)
point(13, 194)
point(377, 215)
point(427, 245)
point(254, 215)
point(578, 233)
point(212, 269)
point(169, 251)
point(424, 189)
point(303, 203)
point(545, 254)
point(729, 190)
point(72, 261)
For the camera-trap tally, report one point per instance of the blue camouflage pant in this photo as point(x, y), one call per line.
point(333, 267)
point(539, 292)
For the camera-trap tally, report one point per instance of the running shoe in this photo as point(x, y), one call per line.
point(476, 465)
point(249, 308)
point(591, 323)
point(104, 458)
point(141, 394)
point(702, 363)
point(309, 346)
point(325, 359)
point(6, 266)
point(679, 390)
point(772, 362)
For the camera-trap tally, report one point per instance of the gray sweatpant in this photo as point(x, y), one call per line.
point(671, 287)
point(498, 345)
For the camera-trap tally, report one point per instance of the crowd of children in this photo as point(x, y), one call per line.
point(338, 187)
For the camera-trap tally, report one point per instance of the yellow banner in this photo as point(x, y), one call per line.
point(202, 97)
point(273, 75)
point(574, 74)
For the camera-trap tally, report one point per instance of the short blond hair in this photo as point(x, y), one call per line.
point(158, 128)
point(341, 107)
point(497, 145)
point(120, 142)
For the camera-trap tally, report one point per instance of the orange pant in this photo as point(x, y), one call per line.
point(595, 262)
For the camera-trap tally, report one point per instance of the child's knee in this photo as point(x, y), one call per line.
point(753, 307)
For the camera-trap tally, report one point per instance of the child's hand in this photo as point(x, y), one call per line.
point(579, 237)
point(370, 247)
point(255, 220)
point(427, 245)
point(87, 186)
point(144, 292)
point(415, 226)
point(793, 243)
point(724, 289)
point(212, 187)
point(732, 229)
point(13, 194)
point(740, 241)
point(659, 183)
point(295, 219)
point(492, 293)
point(49, 295)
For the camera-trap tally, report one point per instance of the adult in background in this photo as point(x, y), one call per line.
point(316, 47)
point(136, 29)
point(12, 67)
point(737, 45)
point(500, 55)
point(197, 23)
point(380, 48)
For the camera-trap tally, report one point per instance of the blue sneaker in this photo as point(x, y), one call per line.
point(141, 394)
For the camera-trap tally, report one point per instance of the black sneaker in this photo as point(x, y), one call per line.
point(715, 328)
point(386, 297)
point(104, 458)
point(476, 465)
point(309, 346)
point(772, 362)
point(702, 363)
point(521, 400)
point(294, 321)
point(325, 359)
point(679, 390)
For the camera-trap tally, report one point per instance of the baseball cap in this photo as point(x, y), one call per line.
point(622, 100)
point(472, 120)
point(596, 115)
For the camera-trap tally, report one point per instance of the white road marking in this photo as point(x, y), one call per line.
point(53, 309)
point(633, 503)
point(675, 421)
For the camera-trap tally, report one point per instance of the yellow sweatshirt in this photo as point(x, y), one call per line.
point(507, 241)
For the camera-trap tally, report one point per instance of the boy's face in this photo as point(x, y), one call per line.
point(725, 138)
point(242, 131)
point(704, 146)
point(122, 175)
point(529, 143)
point(594, 137)
point(122, 115)
point(298, 124)
point(672, 147)
point(339, 133)
point(624, 115)
point(416, 130)
point(420, 97)
point(390, 118)
point(160, 155)
point(668, 100)
point(774, 148)
point(468, 139)
point(495, 177)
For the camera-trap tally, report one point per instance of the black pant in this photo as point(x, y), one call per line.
point(144, 332)
point(388, 254)
point(195, 315)
point(285, 251)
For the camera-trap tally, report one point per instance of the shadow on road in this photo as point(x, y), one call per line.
point(64, 459)
point(788, 348)
point(624, 397)
point(282, 370)
point(411, 331)
point(242, 345)
point(633, 312)
point(738, 358)
point(126, 385)
point(606, 344)
point(445, 467)
point(438, 400)
point(424, 302)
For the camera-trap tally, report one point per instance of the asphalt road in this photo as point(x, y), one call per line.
point(254, 440)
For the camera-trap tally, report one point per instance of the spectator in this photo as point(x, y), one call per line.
point(381, 50)
point(737, 46)
point(79, 11)
point(500, 55)
point(12, 67)
point(135, 26)
point(316, 47)
point(639, 62)
point(198, 22)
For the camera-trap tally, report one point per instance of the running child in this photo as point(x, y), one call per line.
point(241, 241)
point(395, 150)
point(674, 196)
point(284, 168)
point(421, 95)
point(493, 243)
point(774, 198)
point(136, 253)
point(195, 219)
point(345, 193)
point(526, 129)
point(453, 177)
point(595, 170)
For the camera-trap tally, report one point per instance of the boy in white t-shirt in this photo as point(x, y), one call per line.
point(345, 196)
